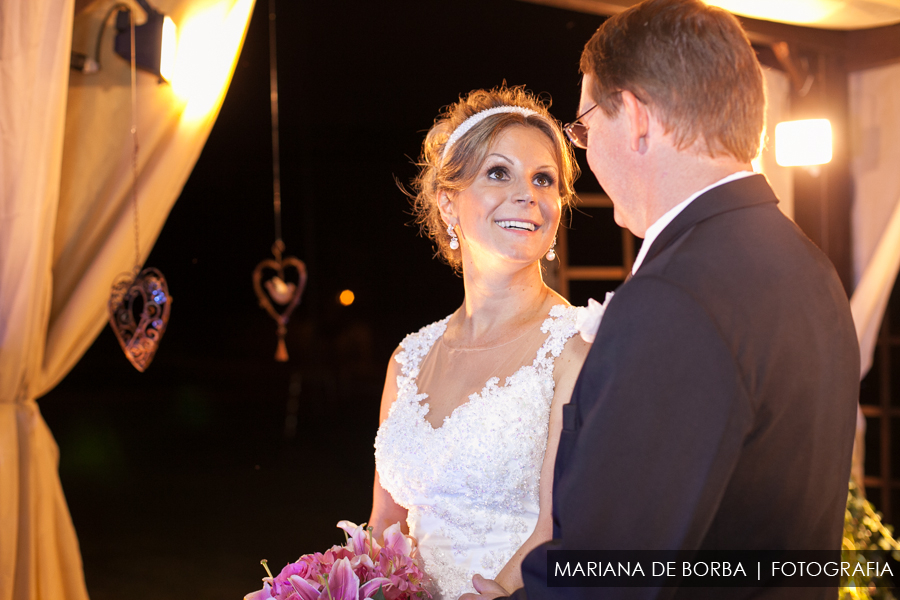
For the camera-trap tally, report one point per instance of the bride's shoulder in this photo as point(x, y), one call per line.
point(432, 331)
point(563, 344)
point(560, 325)
point(416, 345)
point(573, 351)
point(567, 319)
point(406, 358)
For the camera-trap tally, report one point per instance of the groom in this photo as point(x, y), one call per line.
point(716, 409)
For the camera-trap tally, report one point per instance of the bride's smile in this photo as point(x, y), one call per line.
point(515, 225)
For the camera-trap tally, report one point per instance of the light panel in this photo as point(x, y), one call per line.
point(803, 12)
point(826, 14)
point(168, 49)
point(803, 143)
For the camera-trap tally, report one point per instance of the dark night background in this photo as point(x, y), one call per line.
point(181, 479)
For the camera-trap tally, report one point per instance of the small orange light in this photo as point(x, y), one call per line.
point(346, 298)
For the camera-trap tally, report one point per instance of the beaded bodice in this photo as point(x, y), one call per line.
point(471, 485)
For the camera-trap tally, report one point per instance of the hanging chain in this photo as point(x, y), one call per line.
point(276, 166)
point(134, 156)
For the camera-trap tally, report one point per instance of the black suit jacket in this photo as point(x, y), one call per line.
point(717, 406)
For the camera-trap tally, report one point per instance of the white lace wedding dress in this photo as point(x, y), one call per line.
point(471, 485)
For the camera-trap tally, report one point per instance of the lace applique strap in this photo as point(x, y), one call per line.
point(561, 326)
point(415, 347)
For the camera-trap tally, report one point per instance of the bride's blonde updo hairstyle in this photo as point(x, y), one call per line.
point(457, 170)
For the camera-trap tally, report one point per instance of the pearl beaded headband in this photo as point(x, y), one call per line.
point(477, 118)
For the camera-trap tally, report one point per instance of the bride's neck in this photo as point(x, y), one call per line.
point(498, 306)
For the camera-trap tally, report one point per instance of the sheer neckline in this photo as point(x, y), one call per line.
point(445, 322)
point(491, 384)
point(474, 349)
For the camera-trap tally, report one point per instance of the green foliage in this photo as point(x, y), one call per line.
point(865, 535)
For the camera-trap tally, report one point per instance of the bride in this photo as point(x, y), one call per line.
point(471, 410)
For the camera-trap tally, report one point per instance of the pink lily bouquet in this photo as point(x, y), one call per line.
point(361, 569)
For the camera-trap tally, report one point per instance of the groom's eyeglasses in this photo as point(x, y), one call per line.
point(577, 132)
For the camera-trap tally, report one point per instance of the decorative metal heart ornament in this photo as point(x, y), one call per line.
point(138, 314)
point(270, 274)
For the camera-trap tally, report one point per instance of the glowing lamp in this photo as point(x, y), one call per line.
point(346, 298)
point(167, 52)
point(803, 143)
point(800, 12)
point(209, 41)
point(154, 41)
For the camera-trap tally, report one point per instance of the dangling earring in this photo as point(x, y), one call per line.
point(551, 253)
point(454, 241)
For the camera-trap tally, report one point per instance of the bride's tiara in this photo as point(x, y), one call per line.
point(477, 118)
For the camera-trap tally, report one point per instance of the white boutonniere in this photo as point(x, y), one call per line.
point(587, 321)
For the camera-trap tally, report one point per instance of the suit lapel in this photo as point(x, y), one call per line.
point(734, 195)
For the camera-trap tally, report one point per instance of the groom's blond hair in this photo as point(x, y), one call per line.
point(692, 64)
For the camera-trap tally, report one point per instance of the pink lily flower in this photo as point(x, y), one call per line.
point(303, 589)
point(363, 566)
point(264, 594)
point(370, 588)
point(300, 568)
point(358, 537)
point(363, 560)
point(396, 540)
point(343, 584)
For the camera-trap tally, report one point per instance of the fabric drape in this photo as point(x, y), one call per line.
point(39, 556)
point(875, 131)
point(870, 298)
point(67, 230)
point(868, 303)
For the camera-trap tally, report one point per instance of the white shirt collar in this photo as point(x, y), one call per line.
point(654, 230)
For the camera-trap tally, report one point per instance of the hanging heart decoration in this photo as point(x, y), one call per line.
point(138, 314)
point(273, 289)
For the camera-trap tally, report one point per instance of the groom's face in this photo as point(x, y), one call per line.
point(607, 151)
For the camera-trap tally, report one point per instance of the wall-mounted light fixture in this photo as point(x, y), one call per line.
point(803, 143)
point(154, 41)
point(209, 38)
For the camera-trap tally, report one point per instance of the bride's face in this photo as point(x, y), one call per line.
point(510, 212)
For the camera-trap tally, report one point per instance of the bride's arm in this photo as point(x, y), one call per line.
point(566, 370)
point(386, 512)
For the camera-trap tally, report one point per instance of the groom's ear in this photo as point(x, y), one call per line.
point(638, 118)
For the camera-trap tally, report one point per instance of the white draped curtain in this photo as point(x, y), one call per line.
point(66, 230)
point(875, 131)
point(38, 548)
point(875, 134)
